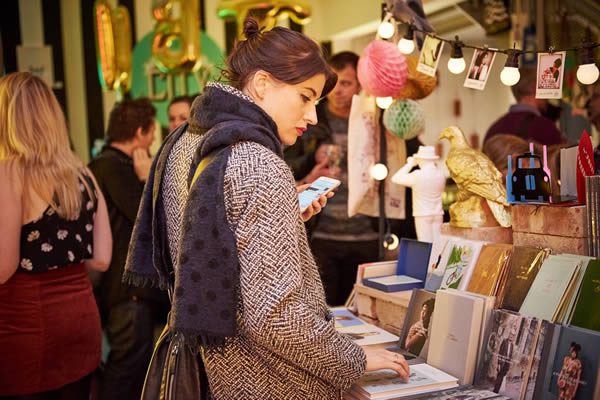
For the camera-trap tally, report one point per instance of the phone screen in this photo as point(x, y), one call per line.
point(314, 191)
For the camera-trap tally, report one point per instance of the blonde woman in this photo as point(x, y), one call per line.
point(54, 226)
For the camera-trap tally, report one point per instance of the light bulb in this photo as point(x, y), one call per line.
point(386, 30)
point(384, 102)
point(587, 73)
point(406, 46)
point(510, 76)
point(456, 65)
point(378, 171)
point(391, 242)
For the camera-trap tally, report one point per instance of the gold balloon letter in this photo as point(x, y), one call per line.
point(176, 41)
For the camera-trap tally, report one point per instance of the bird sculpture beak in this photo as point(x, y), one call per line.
point(445, 134)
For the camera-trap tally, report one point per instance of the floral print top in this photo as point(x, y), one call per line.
point(51, 241)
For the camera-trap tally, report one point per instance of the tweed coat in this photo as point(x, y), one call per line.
point(286, 346)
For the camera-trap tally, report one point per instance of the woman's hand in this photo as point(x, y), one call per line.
point(382, 359)
point(316, 206)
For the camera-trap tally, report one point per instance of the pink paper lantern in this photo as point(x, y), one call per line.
point(382, 69)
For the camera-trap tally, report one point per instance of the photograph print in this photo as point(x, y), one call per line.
point(430, 55)
point(550, 72)
point(479, 70)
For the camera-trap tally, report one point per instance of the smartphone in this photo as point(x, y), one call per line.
point(318, 188)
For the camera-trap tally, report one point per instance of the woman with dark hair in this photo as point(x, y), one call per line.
point(568, 379)
point(246, 287)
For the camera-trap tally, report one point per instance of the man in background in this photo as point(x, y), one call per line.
point(130, 315)
point(339, 243)
point(525, 119)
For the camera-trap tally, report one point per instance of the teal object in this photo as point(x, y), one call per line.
point(404, 119)
point(148, 81)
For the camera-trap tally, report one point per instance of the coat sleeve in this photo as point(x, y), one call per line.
point(278, 298)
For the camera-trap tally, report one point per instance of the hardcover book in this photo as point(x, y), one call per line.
point(524, 264)
point(457, 323)
point(549, 288)
point(440, 252)
point(573, 295)
point(463, 256)
point(411, 269)
point(509, 351)
point(386, 383)
point(344, 318)
point(586, 312)
point(414, 339)
point(490, 268)
point(573, 366)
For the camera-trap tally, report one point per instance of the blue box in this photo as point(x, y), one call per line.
point(411, 270)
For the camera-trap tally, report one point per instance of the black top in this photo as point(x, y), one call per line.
point(122, 190)
point(52, 242)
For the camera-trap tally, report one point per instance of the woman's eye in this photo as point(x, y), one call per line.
point(305, 99)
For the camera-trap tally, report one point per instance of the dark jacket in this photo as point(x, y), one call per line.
point(122, 190)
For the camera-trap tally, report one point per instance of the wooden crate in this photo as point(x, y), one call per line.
point(386, 310)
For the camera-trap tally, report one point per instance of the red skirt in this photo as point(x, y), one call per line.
point(49, 330)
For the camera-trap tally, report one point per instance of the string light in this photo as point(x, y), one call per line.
point(456, 63)
point(406, 45)
point(384, 102)
point(510, 74)
point(386, 29)
point(587, 72)
point(378, 171)
point(391, 241)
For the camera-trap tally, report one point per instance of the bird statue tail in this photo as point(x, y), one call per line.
point(501, 213)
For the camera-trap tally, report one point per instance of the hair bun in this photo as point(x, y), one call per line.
point(251, 28)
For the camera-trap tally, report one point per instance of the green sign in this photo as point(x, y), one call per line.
point(148, 81)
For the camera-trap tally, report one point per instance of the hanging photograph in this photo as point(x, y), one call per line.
point(430, 55)
point(479, 71)
point(550, 74)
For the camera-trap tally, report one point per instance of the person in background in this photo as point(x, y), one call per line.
point(246, 287)
point(54, 226)
point(339, 243)
point(179, 111)
point(525, 118)
point(130, 314)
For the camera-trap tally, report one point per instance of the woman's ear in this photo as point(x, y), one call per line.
point(258, 84)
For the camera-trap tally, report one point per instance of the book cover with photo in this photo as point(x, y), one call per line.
point(461, 262)
point(509, 350)
point(440, 252)
point(414, 339)
point(490, 269)
point(573, 368)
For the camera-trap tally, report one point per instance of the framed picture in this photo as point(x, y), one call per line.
point(479, 70)
point(430, 55)
point(550, 73)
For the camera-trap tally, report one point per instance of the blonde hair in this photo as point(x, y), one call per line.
point(33, 134)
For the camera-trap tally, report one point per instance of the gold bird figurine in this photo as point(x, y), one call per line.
point(481, 198)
